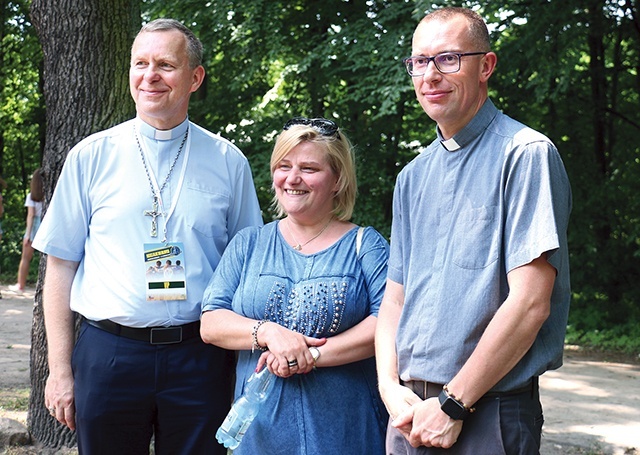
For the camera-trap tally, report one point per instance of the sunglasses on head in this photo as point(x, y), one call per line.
point(321, 125)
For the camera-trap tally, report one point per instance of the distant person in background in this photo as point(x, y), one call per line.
point(2, 186)
point(1, 212)
point(33, 203)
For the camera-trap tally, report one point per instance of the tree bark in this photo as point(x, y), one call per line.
point(86, 47)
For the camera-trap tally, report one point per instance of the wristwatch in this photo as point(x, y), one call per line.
point(452, 407)
point(315, 353)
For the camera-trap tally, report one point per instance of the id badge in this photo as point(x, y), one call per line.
point(165, 271)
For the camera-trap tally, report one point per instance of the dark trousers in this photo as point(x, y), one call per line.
point(128, 390)
point(502, 425)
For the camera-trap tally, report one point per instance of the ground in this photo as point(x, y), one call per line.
point(591, 404)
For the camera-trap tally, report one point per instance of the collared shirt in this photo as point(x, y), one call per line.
point(466, 212)
point(96, 217)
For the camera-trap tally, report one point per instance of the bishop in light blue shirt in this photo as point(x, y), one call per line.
point(140, 217)
point(96, 217)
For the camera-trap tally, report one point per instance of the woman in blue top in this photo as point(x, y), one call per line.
point(301, 295)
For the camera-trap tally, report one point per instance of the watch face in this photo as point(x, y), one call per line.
point(451, 407)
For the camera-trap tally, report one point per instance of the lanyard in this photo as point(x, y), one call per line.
point(156, 189)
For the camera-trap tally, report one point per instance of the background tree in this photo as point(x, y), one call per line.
point(569, 69)
point(21, 120)
point(572, 70)
point(86, 59)
point(270, 60)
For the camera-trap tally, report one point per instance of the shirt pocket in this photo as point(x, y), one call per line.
point(476, 238)
point(206, 210)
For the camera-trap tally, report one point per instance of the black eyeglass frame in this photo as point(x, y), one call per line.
point(433, 59)
point(322, 125)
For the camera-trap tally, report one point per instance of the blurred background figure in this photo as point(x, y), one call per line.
point(2, 187)
point(33, 203)
point(1, 207)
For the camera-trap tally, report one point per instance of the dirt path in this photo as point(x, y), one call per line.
point(591, 404)
point(15, 337)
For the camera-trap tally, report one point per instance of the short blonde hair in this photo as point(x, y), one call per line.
point(340, 156)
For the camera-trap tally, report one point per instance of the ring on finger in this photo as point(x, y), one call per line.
point(292, 363)
point(52, 410)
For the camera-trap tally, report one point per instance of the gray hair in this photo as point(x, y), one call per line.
point(194, 46)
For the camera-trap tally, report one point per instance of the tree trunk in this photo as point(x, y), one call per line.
point(86, 47)
point(597, 72)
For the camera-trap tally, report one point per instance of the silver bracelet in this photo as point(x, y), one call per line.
point(255, 345)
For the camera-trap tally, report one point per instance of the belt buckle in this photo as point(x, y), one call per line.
point(165, 335)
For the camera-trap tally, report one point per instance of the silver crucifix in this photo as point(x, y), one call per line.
point(154, 214)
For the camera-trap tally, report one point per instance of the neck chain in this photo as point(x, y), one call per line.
point(299, 246)
point(154, 213)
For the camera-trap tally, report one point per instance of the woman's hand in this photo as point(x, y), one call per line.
point(288, 351)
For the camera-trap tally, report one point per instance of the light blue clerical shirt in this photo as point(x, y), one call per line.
point(96, 216)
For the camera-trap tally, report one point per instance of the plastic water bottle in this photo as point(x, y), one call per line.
point(245, 409)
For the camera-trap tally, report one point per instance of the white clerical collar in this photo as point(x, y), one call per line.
point(161, 135)
point(450, 144)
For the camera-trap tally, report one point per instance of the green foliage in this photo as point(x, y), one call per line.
point(569, 69)
point(268, 61)
point(622, 338)
point(21, 118)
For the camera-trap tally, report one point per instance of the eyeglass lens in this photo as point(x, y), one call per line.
point(445, 63)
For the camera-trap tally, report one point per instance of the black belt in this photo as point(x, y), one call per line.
point(429, 389)
point(153, 335)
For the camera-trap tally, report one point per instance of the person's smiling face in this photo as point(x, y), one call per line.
point(160, 78)
point(451, 99)
point(304, 183)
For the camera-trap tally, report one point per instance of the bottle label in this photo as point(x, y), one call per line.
point(244, 428)
point(230, 420)
point(235, 425)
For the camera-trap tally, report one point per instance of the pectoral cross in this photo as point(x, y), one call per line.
point(154, 214)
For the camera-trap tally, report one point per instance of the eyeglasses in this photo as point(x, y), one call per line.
point(324, 126)
point(446, 63)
